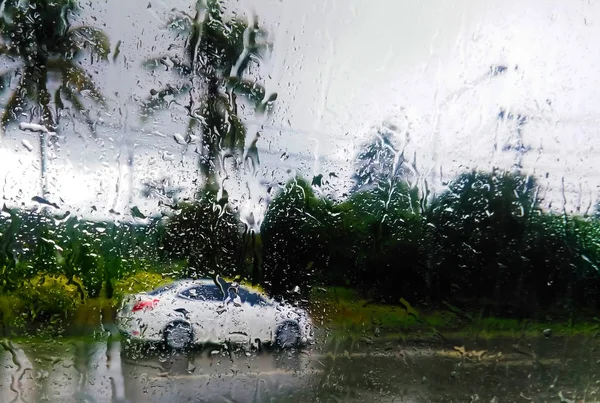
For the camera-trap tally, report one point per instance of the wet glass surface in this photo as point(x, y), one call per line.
point(281, 200)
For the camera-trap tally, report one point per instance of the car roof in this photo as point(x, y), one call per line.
point(178, 285)
point(191, 282)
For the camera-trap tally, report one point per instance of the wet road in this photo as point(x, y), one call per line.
point(543, 370)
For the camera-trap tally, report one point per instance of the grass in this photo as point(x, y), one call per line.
point(344, 313)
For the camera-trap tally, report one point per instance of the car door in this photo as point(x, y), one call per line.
point(234, 315)
point(257, 315)
point(203, 309)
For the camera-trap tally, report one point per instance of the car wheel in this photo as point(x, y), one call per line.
point(178, 335)
point(288, 335)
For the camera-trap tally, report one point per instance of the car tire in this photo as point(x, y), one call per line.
point(288, 335)
point(178, 335)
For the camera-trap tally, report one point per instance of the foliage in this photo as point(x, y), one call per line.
point(350, 312)
point(39, 35)
point(11, 314)
point(39, 43)
point(353, 318)
point(483, 242)
point(206, 235)
point(370, 241)
point(378, 162)
point(211, 71)
point(296, 236)
point(49, 298)
point(138, 282)
point(477, 229)
point(380, 238)
point(91, 255)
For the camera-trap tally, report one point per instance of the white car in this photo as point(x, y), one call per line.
point(188, 312)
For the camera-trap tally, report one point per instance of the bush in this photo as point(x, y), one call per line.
point(11, 318)
point(49, 298)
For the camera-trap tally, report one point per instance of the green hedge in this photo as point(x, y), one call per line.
point(49, 297)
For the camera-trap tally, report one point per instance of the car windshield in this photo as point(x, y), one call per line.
point(299, 201)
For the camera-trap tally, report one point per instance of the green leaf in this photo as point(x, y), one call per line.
point(135, 211)
point(235, 138)
point(179, 23)
point(117, 51)
point(5, 80)
point(79, 107)
point(157, 99)
point(58, 103)
point(77, 79)
point(8, 51)
point(15, 102)
point(220, 47)
point(250, 90)
point(88, 38)
point(179, 67)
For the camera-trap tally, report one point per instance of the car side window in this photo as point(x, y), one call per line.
point(202, 293)
point(251, 298)
point(212, 293)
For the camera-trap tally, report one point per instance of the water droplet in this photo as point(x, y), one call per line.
point(179, 139)
point(27, 145)
point(167, 156)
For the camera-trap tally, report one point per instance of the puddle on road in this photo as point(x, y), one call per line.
point(507, 371)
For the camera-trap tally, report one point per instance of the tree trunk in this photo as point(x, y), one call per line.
point(209, 163)
point(256, 261)
point(46, 120)
point(43, 164)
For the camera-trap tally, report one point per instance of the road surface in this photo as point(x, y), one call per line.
point(541, 370)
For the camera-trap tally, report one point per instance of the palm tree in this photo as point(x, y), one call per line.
point(41, 49)
point(210, 71)
point(380, 162)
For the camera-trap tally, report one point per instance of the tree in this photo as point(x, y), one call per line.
point(211, 72)
point(296, 237)
point(378, 162)
point(206, 236)
point(582, 244)
point(39, 42)
point(380, 239)
point(477, 232)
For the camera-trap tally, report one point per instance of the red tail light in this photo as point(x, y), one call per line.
point(144, 305)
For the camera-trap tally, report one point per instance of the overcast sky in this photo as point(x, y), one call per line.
point(428, 68)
